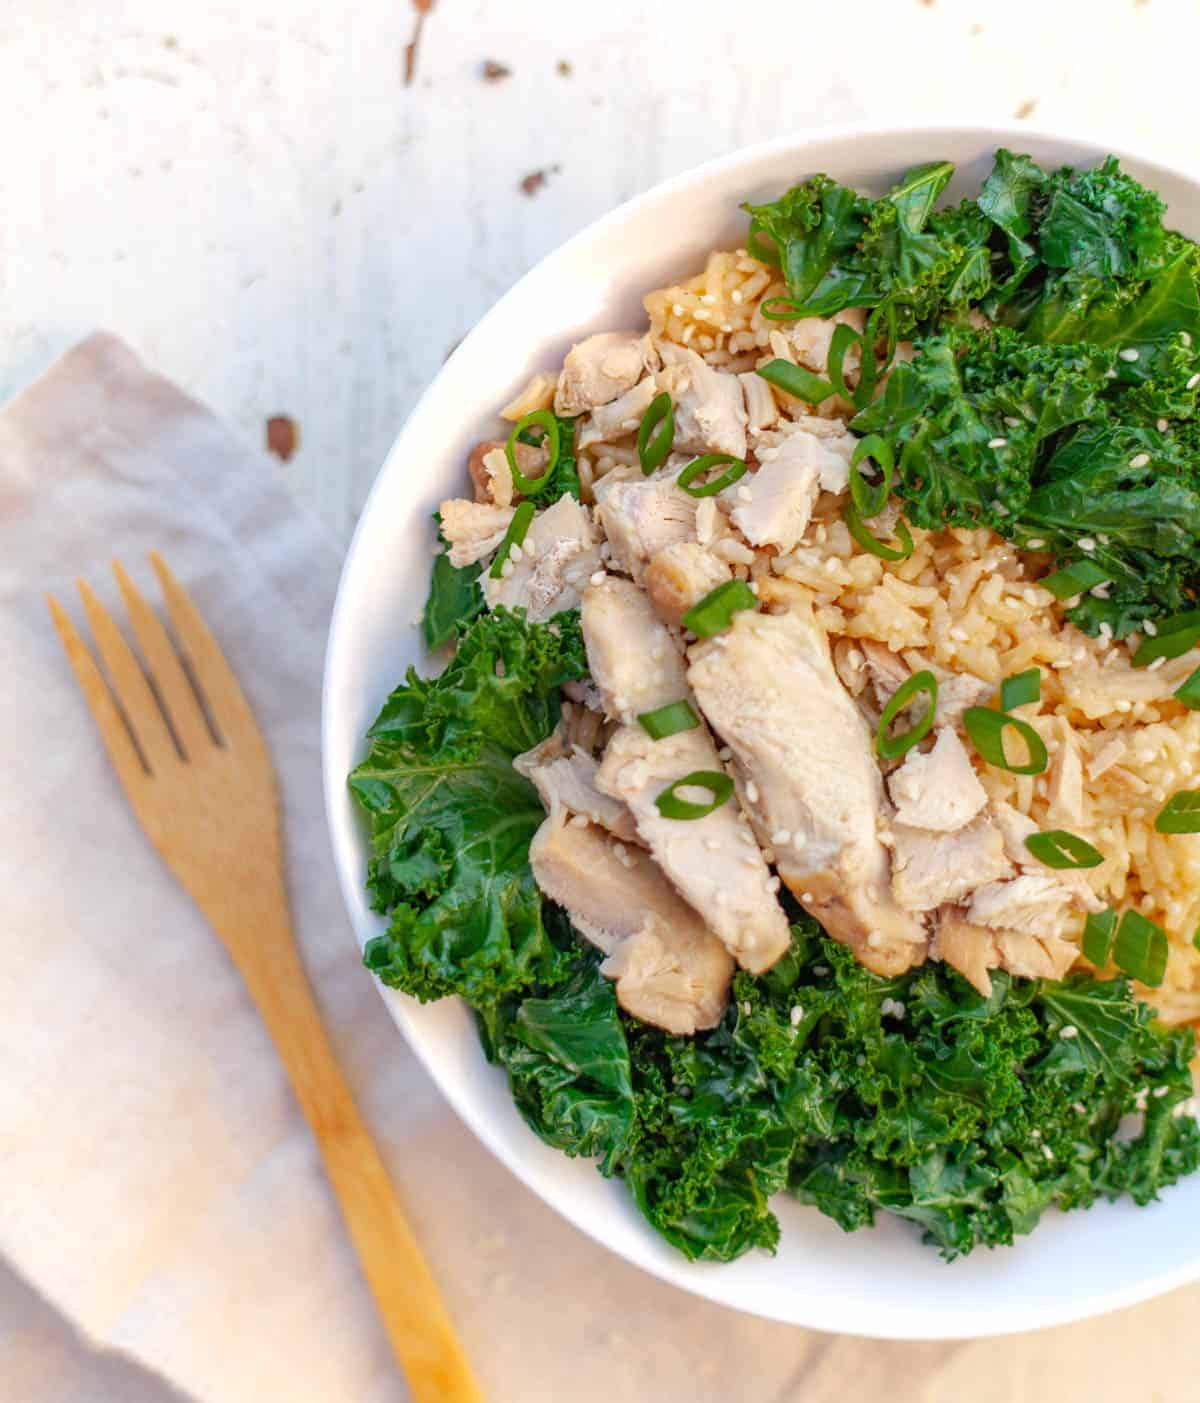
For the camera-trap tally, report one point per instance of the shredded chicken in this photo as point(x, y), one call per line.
point(642, 517)
point(680, 576)
point(472, 530)
point(710, 413)
point(621, 417)
point(551, 567)
point(808, 778)
point(811, 337)
point(599, 369)
point(631, 655)
point(975, 950)
point(762, 409)
point(938, 789)
point(670, 970)
point(565, 779)
point(930, 869)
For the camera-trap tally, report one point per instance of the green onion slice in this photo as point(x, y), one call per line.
point(986, 729)
point(515, 534)
point(1099, 932)
point(793, 380)
point(656, 433)
point(1141, 948)
point(1175, 637)
point(844, 337)
point(1180, 814)
point(1058, 848)
point(871, 498)
point(1189, 692)
point(719, 785)
point(713, 613)
point(669, 720)
point(1074, 579)
point(781, 309)
point(539, 418)
point(698, 466)
point(890, 747)
point(1020, 690)
point(872, 543)
point(1196, 938)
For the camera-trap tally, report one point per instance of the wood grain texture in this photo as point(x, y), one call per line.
point(213, 815)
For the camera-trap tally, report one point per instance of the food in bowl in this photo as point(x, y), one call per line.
point(805, 806)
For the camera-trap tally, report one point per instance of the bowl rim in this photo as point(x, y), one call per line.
point(906, 1324)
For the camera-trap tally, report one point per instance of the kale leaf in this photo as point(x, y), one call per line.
point(454, 599)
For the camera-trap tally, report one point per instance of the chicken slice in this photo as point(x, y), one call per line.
point(551, 568)
point(1036, 903)
point(472, 529)
point(774, 506)
point(670, 970)
point(811, 337)
point(958, 692)
point(1066, 782)
point(565, 779)
point(599, 369)
point(681, 576)
point(621, 417)
point(975, 950)
point(808, 777)
point(937, 789)
point(710, 416)
point(930, 869)
point(1015, 828)
point(643, 517)
point(803, 453)
point(761, 408)
point(631, 655)
point(713, 861)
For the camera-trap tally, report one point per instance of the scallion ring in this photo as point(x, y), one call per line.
point(699, 466)
point(1180, 814)
point(1099, 932)
point(656, 433)
point(869, 542)
point(544, 419)
point(1074, 579)
point(1055, 847)
point(844, 337)
point(714, 613)
point(870, 498)
point(1021, 689)
point(719, 785)
point(795, 380)
point(1189, 692)
point(1173, 637)
point(669, 720)
point(1141, 948)
point(781, 309)
point(515, 534)
point(986, 729)
point(890, 747)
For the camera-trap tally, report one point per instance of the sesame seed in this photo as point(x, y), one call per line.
point(1150, 627)
point(959, 635)
point(744, 494)
point(678, 309)
point(621, 703)
point(747, 1008)
point(1160, 1091)
point(1047, 1151)
point(1139, 460)
point(1012, 421)
point(752, 792)
point(725, 753)
point(506, 569)
point(1162, 426)
point(772, 885)
point(1035, 1134)
point(1194, 381)
point(515, 553)
point(1086, 543)
point(1158, 662)
point(1035, 544)
point(712, 845)
point(874, 941)
point(781, 838)
point(820, 969)
point(1129, 353)
point(597, 578)
point(736, 296)
point(708, 299)
point(831, 565)
point(997, 443)
point(579, 821)
point(796, 1016)
point(806, 896)
point(1186, 337)
point(1070, 1031)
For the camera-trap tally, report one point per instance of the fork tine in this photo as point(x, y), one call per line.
point(113, 731)
point(183, 710)
point(129, 683)
point(224, 696)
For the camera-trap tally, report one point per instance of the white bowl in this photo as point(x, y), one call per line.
point(882, 1282)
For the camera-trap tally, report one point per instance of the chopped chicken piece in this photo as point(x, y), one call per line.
point(565, 779)
point(808, 777)
point(811, 337)
point(1034, 902)
point(930, 869)
point(974, 950)
point(599, 369)
point(473, 529)
point(1015, 828)
point(1066, 782)
point(631, 655)
point(550, 569)
point(818, 457)
point(713, 861)
point(710, 416)
point(621, 417)
point(680, 576)
point(491, 475)
point(958, 692)
point(774, 506)
point(832, 432)
point(886, 671)
point(642, 517)
point(761, 409)
point(938, 789)
point(670, 970)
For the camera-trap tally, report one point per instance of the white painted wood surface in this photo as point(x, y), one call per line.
point(251, 195)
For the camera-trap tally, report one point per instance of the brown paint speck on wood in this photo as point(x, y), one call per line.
point(493, 72)
point(413, 47)
point(533, 182)
point(283, 436)
point(563, 66)
point(1026, 108)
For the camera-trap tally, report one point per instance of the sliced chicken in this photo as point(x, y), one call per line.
point(975, 950)
point(811, 337)
point(680, 576)
point(1036, 903)
point(565, 779)
point(1066, 808)
point(710, 415)
point(670, 970)
point(1015, 828)
point(808, 777)
point(930, 869)
point(620, 418)
point(631, 655)
point(472, 529)
point(599, 369)
point(806, 454)
point(958, 692)
point(642, 517)
point(774, 506)
point(551, 567)
point(762, 410)
point(937, 789)
point(713, 862)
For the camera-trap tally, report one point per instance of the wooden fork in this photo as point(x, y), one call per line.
point(201, 784)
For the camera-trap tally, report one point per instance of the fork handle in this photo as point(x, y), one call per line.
point(405, 1293)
